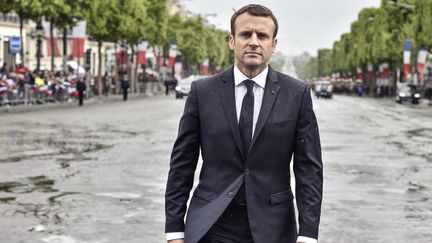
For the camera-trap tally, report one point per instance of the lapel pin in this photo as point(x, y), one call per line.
point(273, 92)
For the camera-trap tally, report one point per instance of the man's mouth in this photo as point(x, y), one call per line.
point(253, 53)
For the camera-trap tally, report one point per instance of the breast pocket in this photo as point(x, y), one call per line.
point(281, 120)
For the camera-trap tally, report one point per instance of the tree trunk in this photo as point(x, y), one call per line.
point(100, 87)
point(137, 86)
point(133, 70)
point(52, 46)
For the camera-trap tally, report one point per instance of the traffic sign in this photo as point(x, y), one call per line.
point(15, 44)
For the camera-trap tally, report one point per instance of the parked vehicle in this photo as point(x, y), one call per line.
point(407, 93)
point(323, 89)
point(183, 85)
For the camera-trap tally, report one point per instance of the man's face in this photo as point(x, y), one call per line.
point(253, 41)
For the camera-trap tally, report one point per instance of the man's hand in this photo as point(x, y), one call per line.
point(176, 241)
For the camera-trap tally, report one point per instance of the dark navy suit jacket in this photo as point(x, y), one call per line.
point(286, 127)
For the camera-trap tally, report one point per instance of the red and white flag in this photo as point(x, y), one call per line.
point(370, 71)
point(205, 67)
point(421, 60)
point(172, 55)
point(407, 57)
point(46, 26)
point(384, 70)
point(141, 53)
point(78, 38)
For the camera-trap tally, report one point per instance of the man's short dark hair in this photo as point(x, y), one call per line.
point(254, 10)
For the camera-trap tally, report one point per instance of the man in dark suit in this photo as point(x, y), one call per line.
point(248, 121)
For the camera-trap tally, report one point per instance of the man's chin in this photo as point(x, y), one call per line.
point(253, 65)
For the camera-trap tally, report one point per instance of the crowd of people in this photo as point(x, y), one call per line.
point(22, 86)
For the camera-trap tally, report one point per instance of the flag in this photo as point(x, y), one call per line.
point(172, 55)
point(178, 70)
point(407, 57)
point(370, 71)
point(421, 59)
point(122, 60)
point(205, 67)
point(141, 53)
point(46, 27)
point(359, 74)
point(78, 37)
point(384, 70)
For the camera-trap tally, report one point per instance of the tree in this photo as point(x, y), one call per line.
point(422, 24)
point(192, 45)
point(102, 20)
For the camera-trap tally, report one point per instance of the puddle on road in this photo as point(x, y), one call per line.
point(7, 199)
point(28, 185)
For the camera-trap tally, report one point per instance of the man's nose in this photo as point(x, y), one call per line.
point(253, 41)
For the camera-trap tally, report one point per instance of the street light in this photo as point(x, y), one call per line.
point(38, 33)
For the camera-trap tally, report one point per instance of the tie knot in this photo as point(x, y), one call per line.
point(249, 84)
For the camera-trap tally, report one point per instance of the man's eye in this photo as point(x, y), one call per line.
point(263, 36)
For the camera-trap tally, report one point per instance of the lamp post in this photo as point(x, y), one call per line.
point(39, 34)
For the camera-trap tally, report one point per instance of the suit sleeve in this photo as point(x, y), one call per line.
point(184, 159)
point(308, 169)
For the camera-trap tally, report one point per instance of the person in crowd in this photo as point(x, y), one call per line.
point(125, 87)
point(81, 87)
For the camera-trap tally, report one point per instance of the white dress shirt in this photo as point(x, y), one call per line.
point(239, 93)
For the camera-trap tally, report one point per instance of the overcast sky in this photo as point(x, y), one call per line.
point(304, 25)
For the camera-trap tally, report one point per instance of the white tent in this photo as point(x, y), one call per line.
point(75, 67)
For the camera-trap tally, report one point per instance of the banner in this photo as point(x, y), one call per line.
point(172, 55)
point(421, 60)
point(141, 53)
point(407, 57)
point(78, 38)
point(384, 70)
point(359, 74)
point(46, 27)
point(370, 71)
point(204, 67)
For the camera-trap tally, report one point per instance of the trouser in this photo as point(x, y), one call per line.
point(125, 93)
point(231, 227)
point(81, 97)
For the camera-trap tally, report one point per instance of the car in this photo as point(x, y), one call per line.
point(183, 85)
point(323, 89)
point(407, 93)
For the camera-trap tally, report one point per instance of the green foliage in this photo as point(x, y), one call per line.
point(192, 45)
point(25, 9)
point(377, 36)
point(422, 24)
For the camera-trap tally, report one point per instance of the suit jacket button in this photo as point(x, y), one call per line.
point(230, 194)
point(247, 172)
point(302, 140)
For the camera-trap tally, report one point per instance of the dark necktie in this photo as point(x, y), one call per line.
point(246, 116)
point(245, 127)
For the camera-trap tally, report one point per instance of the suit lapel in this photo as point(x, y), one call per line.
point(270, 93)
point(229, 105)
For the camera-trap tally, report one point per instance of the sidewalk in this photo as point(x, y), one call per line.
point(94, 100)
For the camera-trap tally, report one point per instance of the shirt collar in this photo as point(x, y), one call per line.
point(260, 79)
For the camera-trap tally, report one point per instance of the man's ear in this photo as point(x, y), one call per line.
point(231, 42)
point(274, 45)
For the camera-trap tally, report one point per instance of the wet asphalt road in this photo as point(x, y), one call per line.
point(97, 173)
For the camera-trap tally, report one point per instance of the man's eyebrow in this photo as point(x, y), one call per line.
point(263, 33)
